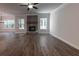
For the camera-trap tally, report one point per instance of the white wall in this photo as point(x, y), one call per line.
point(64, 24)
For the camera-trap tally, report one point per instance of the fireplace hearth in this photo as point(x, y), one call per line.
point(32, 28)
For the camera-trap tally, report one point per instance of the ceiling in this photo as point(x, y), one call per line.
point(47, 7)
point(15, 8)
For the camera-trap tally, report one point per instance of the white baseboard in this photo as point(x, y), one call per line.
point(73, 45)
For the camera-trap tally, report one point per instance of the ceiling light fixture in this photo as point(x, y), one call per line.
point(30, 6)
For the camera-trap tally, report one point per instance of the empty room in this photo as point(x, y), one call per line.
point(39, 29)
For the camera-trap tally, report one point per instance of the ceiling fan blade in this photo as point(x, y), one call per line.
point(35, 7)
point(35, 3)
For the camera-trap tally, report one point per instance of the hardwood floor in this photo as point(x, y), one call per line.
point(12, 44)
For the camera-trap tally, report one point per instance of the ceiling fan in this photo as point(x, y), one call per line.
point(31, 6)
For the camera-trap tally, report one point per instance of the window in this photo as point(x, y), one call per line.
point(9, 24)
point(43, 23)
point(21, 23)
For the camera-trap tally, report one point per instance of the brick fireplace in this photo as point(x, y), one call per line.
point(32, 23)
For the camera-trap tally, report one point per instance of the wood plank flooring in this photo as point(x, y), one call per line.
point(12, 44)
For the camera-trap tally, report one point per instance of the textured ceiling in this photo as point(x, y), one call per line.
point(15, 8)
